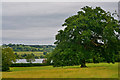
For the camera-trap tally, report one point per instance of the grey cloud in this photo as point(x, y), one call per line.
point(37, 23)
point(33, 9)
point(30, 21)
point(41, 8)
point(31, 33)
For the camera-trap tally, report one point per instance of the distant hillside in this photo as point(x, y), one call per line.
point(32, 48)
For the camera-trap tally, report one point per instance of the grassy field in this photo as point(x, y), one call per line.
point(29, 52)
point(101, 70)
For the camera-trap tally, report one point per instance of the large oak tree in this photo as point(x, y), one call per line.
point(90, 34)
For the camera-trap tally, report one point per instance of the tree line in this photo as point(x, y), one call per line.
point(23, 56)
point(32, 48)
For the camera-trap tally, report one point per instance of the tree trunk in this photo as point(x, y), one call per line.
point(83, 64)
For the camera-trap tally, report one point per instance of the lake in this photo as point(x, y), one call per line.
point(24, 61)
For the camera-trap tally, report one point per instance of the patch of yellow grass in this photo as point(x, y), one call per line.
point(29, 52)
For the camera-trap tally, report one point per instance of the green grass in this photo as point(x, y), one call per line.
point(101, 70)
point(29, 52)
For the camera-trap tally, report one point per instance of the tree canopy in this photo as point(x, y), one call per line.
point(7, 58)
point(32, 48)
point(30, 58)
point(90, 34)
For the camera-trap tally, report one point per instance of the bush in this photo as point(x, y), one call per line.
point(28, 64)
point(40, 64)
point(21, 65)
point(5, 68)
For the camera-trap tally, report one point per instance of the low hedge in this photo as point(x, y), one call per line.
point(28, 64)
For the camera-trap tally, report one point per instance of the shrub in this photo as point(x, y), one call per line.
point(28, 64)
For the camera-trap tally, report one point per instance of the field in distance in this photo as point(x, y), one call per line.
point(29, 52)
point(101, 70)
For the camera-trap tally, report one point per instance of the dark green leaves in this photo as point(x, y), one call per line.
point(88, 35)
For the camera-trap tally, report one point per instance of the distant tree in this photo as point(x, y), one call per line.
point(30, 58)
point(32, 54)
point(24, 55)
point(10, 45)
point(90, 32)
point(16, 54)
point(44, 53)
point(42, 56)
point(48, 56)
point(37, 57)
point(7, 57)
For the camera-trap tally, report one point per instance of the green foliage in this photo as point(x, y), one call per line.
point(22, 55)
point(38, 51)
point(28, 64)
point(31, 48)
point(30, 58)
point(7, 58)
point(44, 53)
point(91, 34)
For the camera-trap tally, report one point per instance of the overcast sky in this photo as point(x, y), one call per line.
point(38, 22)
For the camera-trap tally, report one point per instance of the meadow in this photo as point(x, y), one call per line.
point(29, 52)
point(101, 70)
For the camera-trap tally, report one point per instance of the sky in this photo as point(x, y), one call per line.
point(34, 23)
